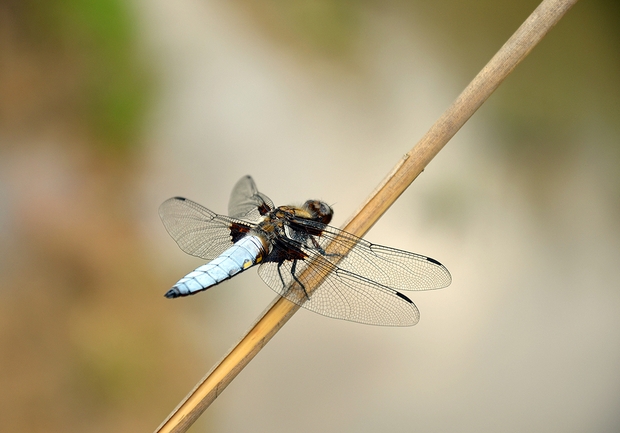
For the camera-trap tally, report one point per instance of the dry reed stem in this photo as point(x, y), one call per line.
point(544, 17)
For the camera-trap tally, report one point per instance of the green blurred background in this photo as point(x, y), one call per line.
point(107, 108)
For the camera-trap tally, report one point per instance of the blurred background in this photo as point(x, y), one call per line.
point(107, 108)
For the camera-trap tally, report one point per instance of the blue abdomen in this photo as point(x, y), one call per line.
point(247, 252)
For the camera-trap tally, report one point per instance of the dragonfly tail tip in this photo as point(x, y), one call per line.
point(172, 293)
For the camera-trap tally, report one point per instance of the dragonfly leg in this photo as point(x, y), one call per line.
point(321, 250)
point(280, 274)
point(293, 266)
point(294, 277)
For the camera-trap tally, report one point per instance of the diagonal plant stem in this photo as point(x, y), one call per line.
point(535, 27)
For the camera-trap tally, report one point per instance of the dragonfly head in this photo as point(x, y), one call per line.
point(320, 211)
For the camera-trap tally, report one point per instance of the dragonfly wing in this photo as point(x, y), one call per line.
point(389, 267)
point(246, 202)
point(340, 294)
point(197, 230)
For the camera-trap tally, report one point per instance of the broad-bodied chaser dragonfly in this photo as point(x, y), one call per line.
point(301, 257)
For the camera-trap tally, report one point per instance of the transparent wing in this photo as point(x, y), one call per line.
point(246, 202)
point(387, 266)
point(341, 294)
point(197, 230)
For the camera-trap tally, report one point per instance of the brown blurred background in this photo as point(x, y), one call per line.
point(107, 108)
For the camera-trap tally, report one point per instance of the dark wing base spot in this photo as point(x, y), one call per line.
point(237, 231)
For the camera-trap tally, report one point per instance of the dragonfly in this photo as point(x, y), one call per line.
point(300, 256)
